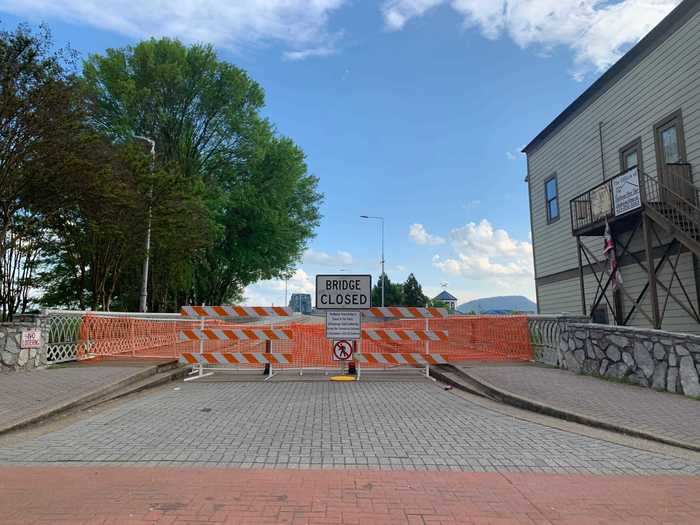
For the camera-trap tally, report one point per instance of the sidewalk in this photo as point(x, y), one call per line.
point(669, 418)
point(27, 397)
point(167, 495)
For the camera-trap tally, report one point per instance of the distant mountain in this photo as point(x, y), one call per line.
point(503, 304)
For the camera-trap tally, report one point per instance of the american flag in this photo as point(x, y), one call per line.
point(609, 252)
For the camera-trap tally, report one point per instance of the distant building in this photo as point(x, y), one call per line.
point(300, 302)
point(447, 298)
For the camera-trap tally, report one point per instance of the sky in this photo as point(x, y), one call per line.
point(412, 110)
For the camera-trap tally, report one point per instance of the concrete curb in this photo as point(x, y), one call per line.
point(486, 389)
point(128, 385)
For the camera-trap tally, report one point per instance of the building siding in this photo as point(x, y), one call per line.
point(664, 81)
point(564, 296)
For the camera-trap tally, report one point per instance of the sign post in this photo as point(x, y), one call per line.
point(344, 297)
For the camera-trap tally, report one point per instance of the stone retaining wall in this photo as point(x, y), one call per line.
point(651, 358)
point(12, 356)
point(545, 331)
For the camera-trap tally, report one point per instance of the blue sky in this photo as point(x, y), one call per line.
point(414, 110)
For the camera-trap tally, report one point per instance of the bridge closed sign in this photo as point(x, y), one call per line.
point(343, 292)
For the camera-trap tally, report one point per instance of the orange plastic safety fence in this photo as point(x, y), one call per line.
point(482, 338)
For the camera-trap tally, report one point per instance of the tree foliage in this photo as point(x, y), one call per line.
point(204, 117)
point(231, 200)
point(39, 116)
point(409, 293)
point(413, 292)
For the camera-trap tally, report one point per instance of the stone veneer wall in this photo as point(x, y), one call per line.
point(12, 357)
point(651, 358)
point(545, 331)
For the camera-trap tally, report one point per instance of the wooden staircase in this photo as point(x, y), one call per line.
point(671, 201)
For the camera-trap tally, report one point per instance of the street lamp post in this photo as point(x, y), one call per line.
point(383, 277)
point(143, 297)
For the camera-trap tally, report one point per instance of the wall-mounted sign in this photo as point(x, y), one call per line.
point(601, 203)
point(626, 194)
point(343, 292)
point(31, 338)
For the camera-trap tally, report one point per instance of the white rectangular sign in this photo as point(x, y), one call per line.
point(343, 292)
point(626, 193)
point(343, 325)
point(31, 338)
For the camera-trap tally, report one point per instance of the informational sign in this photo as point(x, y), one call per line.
point(342, 350)
point(626, 193)
point(343, 292)
point(31, 338)
point(343, 325)
point(601, 202)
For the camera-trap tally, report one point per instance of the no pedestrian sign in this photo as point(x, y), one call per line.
point(343, 292)
point(343, 325)
point(342, 351)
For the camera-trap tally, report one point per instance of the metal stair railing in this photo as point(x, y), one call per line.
point(675, 197)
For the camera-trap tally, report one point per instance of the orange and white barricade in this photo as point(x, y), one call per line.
point(225, 337)
point(406, 312)
point(396, 336)
point(236, 311)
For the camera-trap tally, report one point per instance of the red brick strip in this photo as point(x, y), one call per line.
point(138, 495)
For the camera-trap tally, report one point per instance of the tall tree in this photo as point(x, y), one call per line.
point(393, 292)
point(39, 116)
point(203, 114)
point(413, 292)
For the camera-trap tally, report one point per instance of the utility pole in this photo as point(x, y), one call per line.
point(143, 297)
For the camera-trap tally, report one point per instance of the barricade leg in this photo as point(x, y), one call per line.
point(199, 373)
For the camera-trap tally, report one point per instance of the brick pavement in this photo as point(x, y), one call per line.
point(24, 395)
point(668, 415)
point(324, 425)
point(133, 495)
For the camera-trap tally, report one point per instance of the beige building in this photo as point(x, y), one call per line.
point(623, 154)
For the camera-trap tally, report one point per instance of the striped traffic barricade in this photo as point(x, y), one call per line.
point(406, 312)
point(235, 311)
point(390, 359)
point(403, 335)
point(400, 335)
point(234, 336)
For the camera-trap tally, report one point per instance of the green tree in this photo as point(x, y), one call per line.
point(96, 216)
point(413, 292)
point(261, 204)
point(39, 115)
point(393, 292)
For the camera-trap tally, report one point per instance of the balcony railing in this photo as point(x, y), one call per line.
point(623, 194)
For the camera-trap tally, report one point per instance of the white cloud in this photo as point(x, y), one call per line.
point(322, 258)
point(597, 31)
point(267, 293)
point(419, 234)
point(299, 25)
point(398, 12)
point(303, 54)
point(487, 254)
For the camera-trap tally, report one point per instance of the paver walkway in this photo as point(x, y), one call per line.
point(133, 495)
point(667, 415)
point(386, 426)
point(24, 395)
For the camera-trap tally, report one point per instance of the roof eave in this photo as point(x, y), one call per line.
point(651, 41)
